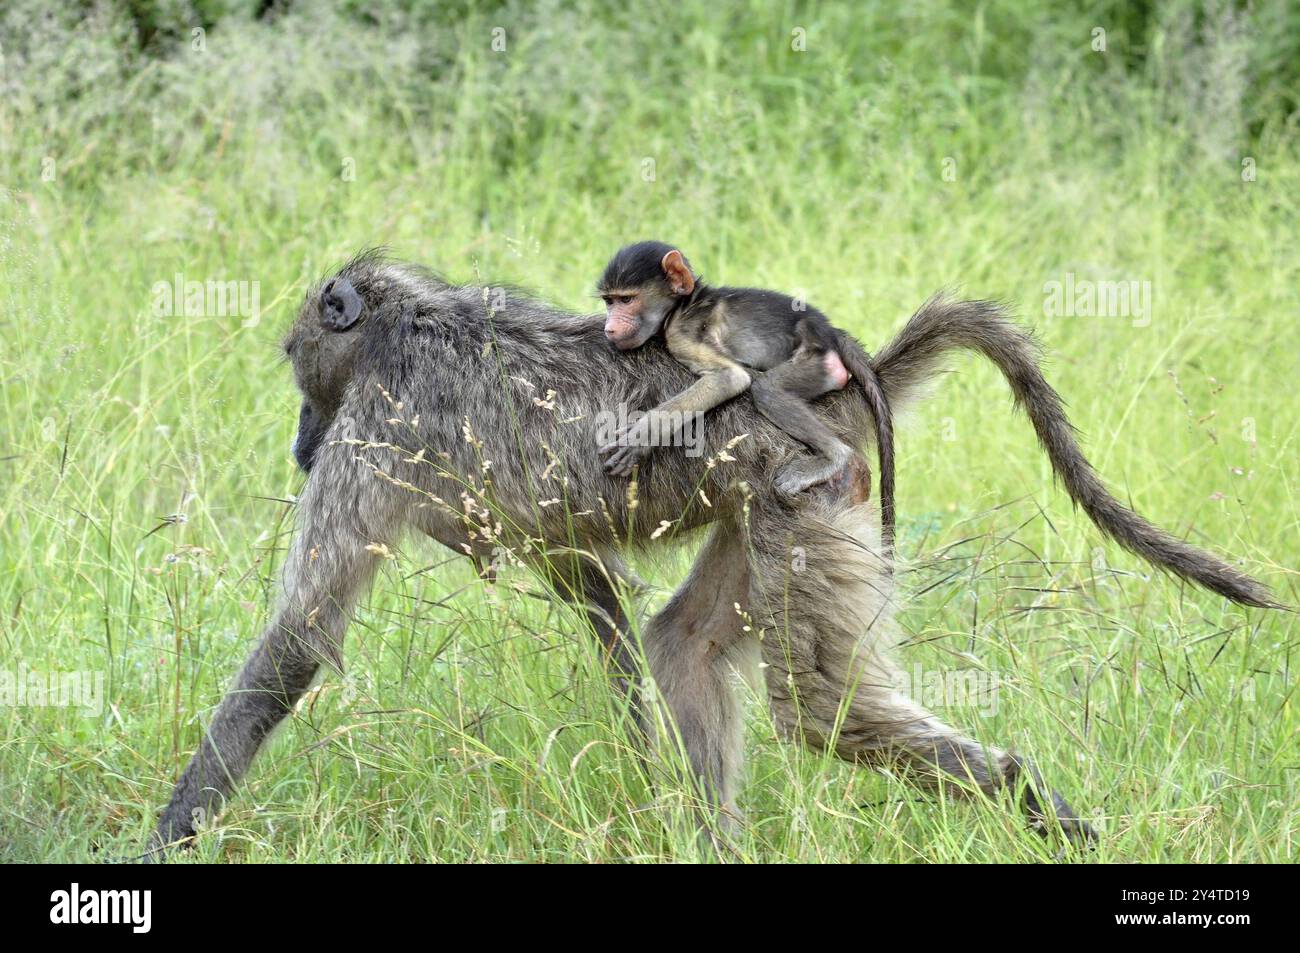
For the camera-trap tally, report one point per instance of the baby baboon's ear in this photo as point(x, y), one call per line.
point(678, 272)
point(340, 305)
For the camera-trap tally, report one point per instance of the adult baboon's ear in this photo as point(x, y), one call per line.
point(340, 305)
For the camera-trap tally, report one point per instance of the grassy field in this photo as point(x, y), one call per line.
point(867, 155)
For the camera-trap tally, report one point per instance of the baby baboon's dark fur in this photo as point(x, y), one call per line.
point(434, 409)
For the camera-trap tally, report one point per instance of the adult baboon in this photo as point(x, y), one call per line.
point(470, 414)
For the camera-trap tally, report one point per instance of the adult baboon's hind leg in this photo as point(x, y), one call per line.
point(827, 640)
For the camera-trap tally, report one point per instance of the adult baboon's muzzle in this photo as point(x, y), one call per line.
point(311, 430)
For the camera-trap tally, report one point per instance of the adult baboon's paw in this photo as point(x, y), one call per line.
point(1057, 813)
point(161, 846)
point(1078, 832)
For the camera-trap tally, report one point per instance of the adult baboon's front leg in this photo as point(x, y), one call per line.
point(596, 581)
point(692, 646)
point(599, 583)
point(343, 510)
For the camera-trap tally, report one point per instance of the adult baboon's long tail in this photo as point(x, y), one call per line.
point(943, 325)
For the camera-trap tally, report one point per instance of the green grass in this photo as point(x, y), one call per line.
point(473, 724)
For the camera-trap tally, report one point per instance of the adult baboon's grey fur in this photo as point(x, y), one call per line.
point(471, 414)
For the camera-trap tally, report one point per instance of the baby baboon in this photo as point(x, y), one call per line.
point(462, 409)
point(783, 352)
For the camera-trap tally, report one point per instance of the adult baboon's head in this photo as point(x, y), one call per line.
point(345, 322)
point(323, 345)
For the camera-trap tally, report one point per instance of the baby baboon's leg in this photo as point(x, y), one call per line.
point(781, 395)
point(692, 648)
point(826, 621)
point(343, 510)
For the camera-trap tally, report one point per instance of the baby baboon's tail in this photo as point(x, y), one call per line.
point(858, 361)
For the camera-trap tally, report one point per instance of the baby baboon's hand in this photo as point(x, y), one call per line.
point(629, 447)
point(621, 460)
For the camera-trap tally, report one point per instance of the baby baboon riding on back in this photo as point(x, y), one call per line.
point(784, 352)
